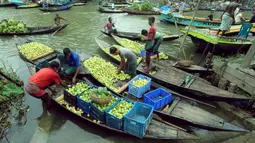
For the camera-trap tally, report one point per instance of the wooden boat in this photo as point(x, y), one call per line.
point(139, 12)
point(37, 30)
point(219, 45)
point(56, 8)
point(197, 22)
point(136, 37)
point(109, 10)
point(180, 111)
point(17, 2)
point(246, 8)
point(32, 5)
point(6, 4)
point(174, 78)
point(157, 130)
point(79, 4)
point(171, 61)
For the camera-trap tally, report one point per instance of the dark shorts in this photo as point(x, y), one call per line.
point(149, 50)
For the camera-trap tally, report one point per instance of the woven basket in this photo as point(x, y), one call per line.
point(185, 63)
point(100, 100)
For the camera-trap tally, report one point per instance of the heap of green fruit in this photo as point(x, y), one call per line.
point(100, 92)
point(78, 88)
point(34, 50)
point(121, 109)
point(71, 108)
point(86, 95)
point(104, 71)
point(137, 47)
point(117, 57)
point(163, 56)
point(103, 107)
point(140, 82)
point(164, 35)
point(131, 45)
point(12, 26)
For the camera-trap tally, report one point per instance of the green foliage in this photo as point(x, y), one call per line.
point(146, 6)
point(135, 6)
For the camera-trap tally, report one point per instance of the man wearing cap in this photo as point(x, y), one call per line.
point(128, 60)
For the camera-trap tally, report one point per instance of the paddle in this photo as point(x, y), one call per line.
point(58, 30)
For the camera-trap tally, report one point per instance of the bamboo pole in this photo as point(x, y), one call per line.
point(186, 34)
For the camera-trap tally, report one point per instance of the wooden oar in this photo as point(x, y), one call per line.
point(58, 30)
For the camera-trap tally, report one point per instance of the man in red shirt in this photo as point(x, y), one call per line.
point(149, 42)
point(41, 80)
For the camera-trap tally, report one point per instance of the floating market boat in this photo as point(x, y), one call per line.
point(32, 5)
point(185, 20)
point(6, 4)
point(37, 30)
point(169, 61)
point(177, 111)
point(18, 2)
point(139, 12)
point(79, 4)
point(57, 8)
point(136, 37)
point(109, 10)
point(157, 130)
point(171, 77)
point(219, 45)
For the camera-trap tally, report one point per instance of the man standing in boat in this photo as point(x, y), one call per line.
point(57, 20)
point(41, 80)
point(110, 27)
point(70, 64)
point(150, 40)
point(126, 55)
point(181, 8)
point(227, 18)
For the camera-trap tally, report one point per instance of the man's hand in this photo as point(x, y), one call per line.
point(74, 80)
point(142, 39)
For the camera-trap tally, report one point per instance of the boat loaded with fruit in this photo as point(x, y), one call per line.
point(104, 109)
point(171, 77)
point(10, 27)
point(170, 108)
point(138, 49)
point(145, 8)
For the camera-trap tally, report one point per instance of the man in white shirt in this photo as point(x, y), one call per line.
point(239, 19)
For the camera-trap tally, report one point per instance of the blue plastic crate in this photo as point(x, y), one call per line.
point(137, 120)
point(98, 114)
point(143, 53)
point(139, 91)
point(113, 121)
point(83, 105)
point(158, 98)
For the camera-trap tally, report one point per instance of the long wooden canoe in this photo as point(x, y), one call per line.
point(56, 8)
point(157, 130)
point(38, 30)
point(173, 78)
point(46, 57)
point(228, 45)
point(136, 37)
point(6, 4)
point(197, 22)
point(180, 111)
point(139, 12)
point(172, 61)
point(109, 10)
point(79, 4)
point(32, 5)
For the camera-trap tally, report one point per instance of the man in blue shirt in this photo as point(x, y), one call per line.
point(70, 62)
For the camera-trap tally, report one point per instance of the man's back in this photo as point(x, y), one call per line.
point(128, 54)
